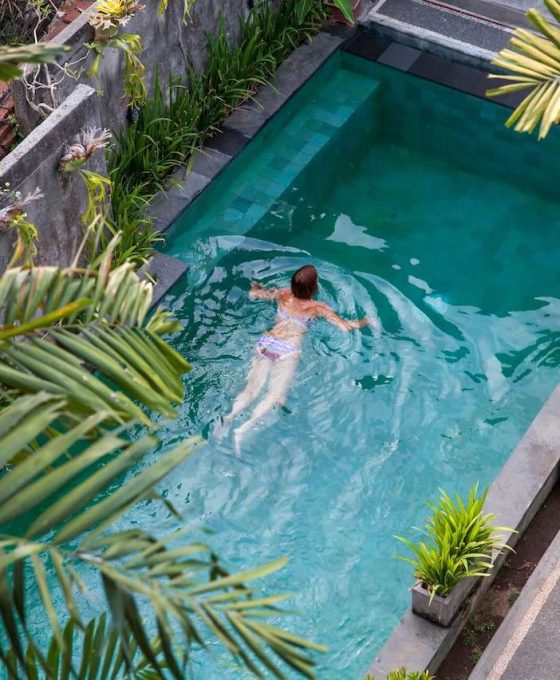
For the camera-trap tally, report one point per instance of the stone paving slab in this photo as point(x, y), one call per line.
point(527, 644)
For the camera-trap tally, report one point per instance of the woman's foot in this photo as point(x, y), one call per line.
point(222, 427)
point(238, 435)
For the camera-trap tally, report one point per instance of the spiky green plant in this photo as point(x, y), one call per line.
point(461, 540)
point(533, 63)
point(403, 674)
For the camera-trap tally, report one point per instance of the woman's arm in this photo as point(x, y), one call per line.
point(344, 324)
point(260, 293)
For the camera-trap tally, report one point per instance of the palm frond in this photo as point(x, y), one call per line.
point(12, 57)
point(533, 64)
point(182, 583)
point(76, 321)
point(80, 362)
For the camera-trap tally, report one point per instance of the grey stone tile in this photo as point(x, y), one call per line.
point(228, 142)
point(247, 120)
point(209, 162)
point(167, 207)
point(340, 30)
point(166, 271)
point(399, 56)
point(365, 44)
point(304, 61)
point(271, 97)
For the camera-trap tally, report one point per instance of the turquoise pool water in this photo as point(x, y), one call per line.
point(418, 208)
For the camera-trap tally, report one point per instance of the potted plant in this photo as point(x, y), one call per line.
point(403, 674)
point(461, 544)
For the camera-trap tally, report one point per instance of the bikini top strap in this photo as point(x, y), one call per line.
point(303, 320)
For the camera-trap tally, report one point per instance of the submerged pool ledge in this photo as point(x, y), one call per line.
point(244, 124)
point(515, 496)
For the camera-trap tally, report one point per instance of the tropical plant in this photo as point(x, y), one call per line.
point(533, 64)
point(188, 6)
point(98, 186)
point(345, 7)
point(460, 542)
point(107, 20)
point(14, 218)
point(82, 364)
point(12, 57)
point(403, 674)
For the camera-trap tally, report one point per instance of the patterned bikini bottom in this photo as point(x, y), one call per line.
point(276, 348)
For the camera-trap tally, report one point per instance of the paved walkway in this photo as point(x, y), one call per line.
point(527, 644)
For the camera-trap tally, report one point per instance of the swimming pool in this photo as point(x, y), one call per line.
point(420, 209)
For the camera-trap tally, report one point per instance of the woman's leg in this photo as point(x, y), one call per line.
point(256, 379)
point(282, 374)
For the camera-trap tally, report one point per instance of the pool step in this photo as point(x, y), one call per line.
point(335, 106)
point(289, 143)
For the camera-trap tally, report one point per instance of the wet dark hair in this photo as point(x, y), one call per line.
point(304, 283)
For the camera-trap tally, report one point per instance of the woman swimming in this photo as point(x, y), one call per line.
point(278, 351)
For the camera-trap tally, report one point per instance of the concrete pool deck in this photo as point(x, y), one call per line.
point(527, 644)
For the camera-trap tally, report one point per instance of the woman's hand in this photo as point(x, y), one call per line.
point(362, 323)
point(259, 292)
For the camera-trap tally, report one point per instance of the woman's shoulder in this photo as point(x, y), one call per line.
point(283, 294)
point(311, 308)
point(318, 308)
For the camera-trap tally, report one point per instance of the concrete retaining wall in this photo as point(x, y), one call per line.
point(34, 164)
point(169, 46)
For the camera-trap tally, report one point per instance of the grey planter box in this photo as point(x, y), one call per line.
point(442, 610)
